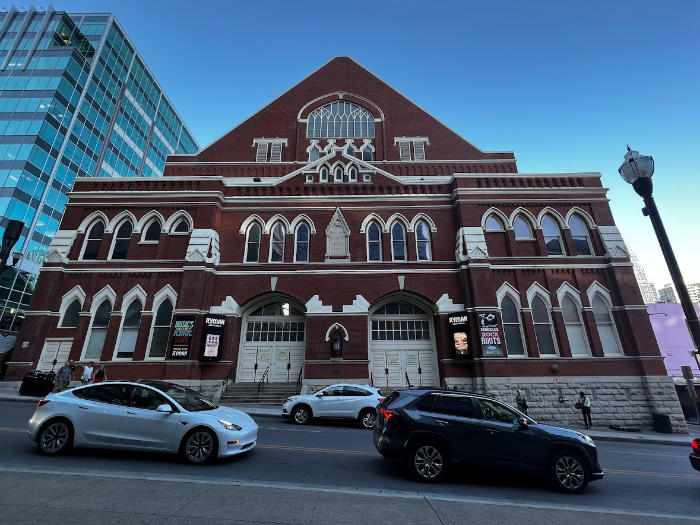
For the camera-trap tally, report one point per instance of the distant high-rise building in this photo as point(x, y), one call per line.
point(694, 292)
point(645, 286)
point(76, 99)
point(667, 294)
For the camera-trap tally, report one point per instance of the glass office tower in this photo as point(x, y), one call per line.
point(76, 100)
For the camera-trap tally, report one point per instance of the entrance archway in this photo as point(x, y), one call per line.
point(272, 343)
point(402, 345)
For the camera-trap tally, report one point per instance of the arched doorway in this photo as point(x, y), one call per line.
point(402, 345)
point(272, 343)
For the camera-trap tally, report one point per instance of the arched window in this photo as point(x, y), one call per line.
point(181, 226)
point(398, 242)
point(152, 233)
point(120, 245)
point(98, 332)
point(277, 243)
point(352, 174)
point(606, 325)
point(93, 240)
point(71, 317)
point(424, 248)
point(323, 172)
point(340, 119)
point(338, 173)
point(580, 235)
point(374, 242)
point(522, 229)
point(129, 330)
point(575, 331)
point(301, 243)
point(552, 236)
point(350, 150)
point(512, 327)
point(252, 243)
point(367, 153)
point(494, 223)
point(314, 153)
point(543, 326)
point(160, 331)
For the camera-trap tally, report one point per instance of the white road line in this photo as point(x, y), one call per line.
point(369, 492)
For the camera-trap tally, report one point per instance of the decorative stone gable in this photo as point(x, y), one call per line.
point(60, 245)
point(471, 244)
point(614, 243)
point(338, 238)
point(203, 246)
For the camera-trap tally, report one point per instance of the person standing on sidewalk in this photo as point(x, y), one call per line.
point(88, 370)
point(584, 402)
point(521, 401)
point(63, 376)
point(100, 374)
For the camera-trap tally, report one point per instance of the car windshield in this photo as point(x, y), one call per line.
point(189, 399)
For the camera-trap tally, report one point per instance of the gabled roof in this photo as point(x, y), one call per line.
point(402, 118)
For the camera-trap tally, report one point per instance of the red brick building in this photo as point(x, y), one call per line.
point(332, 236)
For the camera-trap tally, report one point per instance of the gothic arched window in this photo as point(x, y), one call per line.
point(340, 119)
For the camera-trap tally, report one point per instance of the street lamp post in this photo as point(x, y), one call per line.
point(638, 170)
point(13, 230)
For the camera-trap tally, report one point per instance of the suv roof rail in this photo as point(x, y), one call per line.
point(450, 391)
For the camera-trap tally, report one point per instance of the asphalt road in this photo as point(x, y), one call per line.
point(326, 473)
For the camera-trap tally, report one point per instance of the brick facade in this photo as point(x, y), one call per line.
point(222, 191)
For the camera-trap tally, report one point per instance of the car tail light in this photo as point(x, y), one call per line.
point(42, 402)
point(695, 445)
point(386, 413)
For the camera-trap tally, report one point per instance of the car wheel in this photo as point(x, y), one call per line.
point(55, 437)
point(301, 415)
point(200, 446)
point(368, 418)
point(570, 472)
point(428, 462)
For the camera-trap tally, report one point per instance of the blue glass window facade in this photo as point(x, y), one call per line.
point(76, 100)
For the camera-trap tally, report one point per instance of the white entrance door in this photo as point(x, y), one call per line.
point(54, 349)
point(401, 348)
point(272, 345)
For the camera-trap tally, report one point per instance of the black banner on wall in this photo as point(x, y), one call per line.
point(181, 339)
point(459, 333)
point(212, 337)
point(490, 334)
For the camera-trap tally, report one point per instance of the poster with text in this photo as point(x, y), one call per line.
point(181, 340)
point(213, 337)
point(490, 334)
point(459, 333)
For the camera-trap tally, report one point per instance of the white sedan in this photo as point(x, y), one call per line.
point(358, 402)
point(150, 415)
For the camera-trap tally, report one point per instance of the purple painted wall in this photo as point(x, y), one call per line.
point(672, 334)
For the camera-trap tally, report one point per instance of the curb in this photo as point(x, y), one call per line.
point(643, 440)
point(19, 399)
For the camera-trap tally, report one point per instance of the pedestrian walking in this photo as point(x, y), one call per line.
point(521, 401)
point(584, 405)
point(100, 374)
point(88, 371)
point(63, 376)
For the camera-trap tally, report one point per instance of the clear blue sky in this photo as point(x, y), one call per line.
point(565, 85)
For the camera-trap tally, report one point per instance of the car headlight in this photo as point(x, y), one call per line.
point(292, 398)
point(587, 439)
point(228, 425)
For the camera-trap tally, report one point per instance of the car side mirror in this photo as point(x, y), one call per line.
point(164, 409)
point(522, 423)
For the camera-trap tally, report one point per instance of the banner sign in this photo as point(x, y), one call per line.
point(213, 337)
point(490, 334)
point(181, 340)
point(459, 333)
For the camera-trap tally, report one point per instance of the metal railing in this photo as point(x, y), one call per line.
point(265, 377)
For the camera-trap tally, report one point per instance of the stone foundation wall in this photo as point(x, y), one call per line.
point(623, 401)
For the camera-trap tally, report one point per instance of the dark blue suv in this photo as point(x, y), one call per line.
point(432, 429)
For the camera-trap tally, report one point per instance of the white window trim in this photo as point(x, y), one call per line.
point(106, 293)
point(586, 225)
point(405, 244)
point(87, 237)
point(121, 331)
point(143, 240)
point(274, 225)
point(430, 242)
point(308, 249)
point(309, 178)
point(566, 290)
point(597, 289)
point(530, 225)
point(323, 173)
point(75, 293)
point(167, 292)
point(115, 232)
point(338, 169)
point(537, 290)
point(518, 307)
point(263, 149)
point(381, 241)
point(247, 235)
point(353, 173)
point(169, 225)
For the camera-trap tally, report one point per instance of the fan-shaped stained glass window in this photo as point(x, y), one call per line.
point(340, 119)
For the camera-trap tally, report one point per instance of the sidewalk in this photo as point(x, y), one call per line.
point(8, 392)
